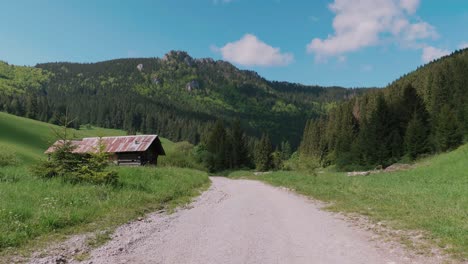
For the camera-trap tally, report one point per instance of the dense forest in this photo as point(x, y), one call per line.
point(182, 98)
point(176, 96)
point(423, 112)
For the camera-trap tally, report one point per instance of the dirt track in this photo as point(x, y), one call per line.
point(241, 221)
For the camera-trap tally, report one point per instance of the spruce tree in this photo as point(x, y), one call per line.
point(448, 131)
point(416, 137)
point(217, 146)
point(239, 152)
point(263, 151)
point(286, 150)
point(376, 137)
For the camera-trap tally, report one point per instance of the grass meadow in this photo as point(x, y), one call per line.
point(33, 211)
point(32, 207)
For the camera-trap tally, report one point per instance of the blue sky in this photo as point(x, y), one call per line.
point(349, 43)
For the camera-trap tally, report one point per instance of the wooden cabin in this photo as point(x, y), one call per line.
point(123, 150)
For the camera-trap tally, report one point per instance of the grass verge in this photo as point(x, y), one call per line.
point(433, 197)
point(34, 211)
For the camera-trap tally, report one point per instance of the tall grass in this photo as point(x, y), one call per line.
point(432, 197)
point(32, 207)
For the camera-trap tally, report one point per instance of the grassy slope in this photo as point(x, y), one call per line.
point(34, 208)
point(432, 197)
point(30, 138)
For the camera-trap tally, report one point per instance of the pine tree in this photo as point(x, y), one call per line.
point(305, 145)
point(217, 146)
point(239, 153)
point(263, 151)
point(286, 150)
point(416, 137)
point(448, 131)
point(376, 138)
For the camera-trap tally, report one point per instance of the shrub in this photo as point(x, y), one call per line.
point(8, 159)
point(277, 160)
point(184, 155)
point(75, 168)
point(86, 174)
point(303, 163)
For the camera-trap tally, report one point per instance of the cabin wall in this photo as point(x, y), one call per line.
point(129, 158)
point(151, 155)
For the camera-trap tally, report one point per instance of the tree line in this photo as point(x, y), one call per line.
point(384, 127)
point(227, 147)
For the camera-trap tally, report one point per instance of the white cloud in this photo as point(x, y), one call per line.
point(431, 53)
point(364, 23)
point(250, 51)
point(409, 5)
point(421, 30)
point(463, 45)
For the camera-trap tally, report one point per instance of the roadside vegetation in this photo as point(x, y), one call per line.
point(37, 205)
point(432, 197)
point(32, 207)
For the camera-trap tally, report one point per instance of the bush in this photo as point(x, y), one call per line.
point(184, 155)
point(277, 160)
point(75, 168)
point(303, 163)
point(86, 174)
point(8, 159)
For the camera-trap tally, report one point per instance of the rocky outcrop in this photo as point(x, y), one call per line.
point(205, 61)
point(192, 85)
point(156, 80)
point(180, 56)
point(358, 173)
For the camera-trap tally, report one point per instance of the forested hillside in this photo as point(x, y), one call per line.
point(423, 112)
point(175, 96)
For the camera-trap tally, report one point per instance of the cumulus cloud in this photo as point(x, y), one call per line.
point(364, 23)
point(250, 51)
point(431, 53)
point(463, 45)
point(420, 30)
point(409, 5)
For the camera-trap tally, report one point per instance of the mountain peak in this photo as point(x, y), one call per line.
point(178, 55)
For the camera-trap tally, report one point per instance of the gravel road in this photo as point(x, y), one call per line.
point(242, 221)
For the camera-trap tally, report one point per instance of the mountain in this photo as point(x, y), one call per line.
point(423, 112)
point(176, 96)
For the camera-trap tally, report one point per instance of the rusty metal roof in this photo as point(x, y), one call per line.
point(137, 143)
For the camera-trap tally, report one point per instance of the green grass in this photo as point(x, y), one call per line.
point(34, 211)
point(33, 207)
point(30, 138)
point(432, 197)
